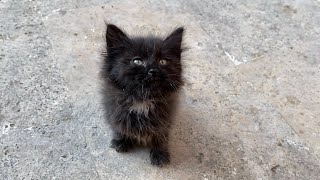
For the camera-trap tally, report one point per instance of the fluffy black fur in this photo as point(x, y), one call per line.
point(142, 76)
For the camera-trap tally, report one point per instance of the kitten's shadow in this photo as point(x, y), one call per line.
point(194, 148)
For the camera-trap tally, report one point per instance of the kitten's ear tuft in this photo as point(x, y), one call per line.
point(115, 36)
point(174, 40)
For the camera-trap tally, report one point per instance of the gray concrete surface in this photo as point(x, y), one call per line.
point(249, 110)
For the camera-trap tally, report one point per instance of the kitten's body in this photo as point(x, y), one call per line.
point(142, 77)
point(138, 119)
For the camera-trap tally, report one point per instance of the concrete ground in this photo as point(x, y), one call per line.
point(249, 110)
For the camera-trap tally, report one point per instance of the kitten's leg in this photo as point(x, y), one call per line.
point(121, 143)
point(159, 153)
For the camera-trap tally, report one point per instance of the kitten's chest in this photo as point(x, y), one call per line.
point(142, 107)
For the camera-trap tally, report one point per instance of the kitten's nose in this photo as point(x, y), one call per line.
point(153, 72)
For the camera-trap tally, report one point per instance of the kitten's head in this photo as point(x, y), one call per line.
point(145, 67)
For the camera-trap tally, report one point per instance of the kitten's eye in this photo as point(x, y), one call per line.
point(163, 62)
point(137, 62)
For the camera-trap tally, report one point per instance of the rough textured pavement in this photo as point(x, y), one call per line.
point(249, 110)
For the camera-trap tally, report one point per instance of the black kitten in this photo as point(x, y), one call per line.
point(141, 76)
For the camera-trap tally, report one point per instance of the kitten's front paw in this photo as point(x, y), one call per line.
point(121, 145)
point(159, 157)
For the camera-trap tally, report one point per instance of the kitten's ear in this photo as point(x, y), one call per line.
point(115, 36)
point(174, 40)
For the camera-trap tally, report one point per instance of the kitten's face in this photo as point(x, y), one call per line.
point(146, 67)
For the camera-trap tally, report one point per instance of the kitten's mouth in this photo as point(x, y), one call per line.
point(150, 79)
